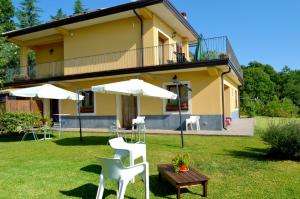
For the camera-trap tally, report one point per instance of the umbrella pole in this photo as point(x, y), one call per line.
point(79, 118)
point(179, 109)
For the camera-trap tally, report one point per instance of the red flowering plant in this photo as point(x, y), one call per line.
point(181, 162)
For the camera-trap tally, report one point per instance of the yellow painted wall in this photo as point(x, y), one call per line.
point(49, 63)
point(206, 95)
point(43, 54)
point(233, 87)
point(105, 103)
point(107, 45)
point(227, 101)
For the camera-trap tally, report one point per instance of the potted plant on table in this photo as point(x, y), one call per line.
point(181, 162)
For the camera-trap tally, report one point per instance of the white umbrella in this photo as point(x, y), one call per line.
point(134, 87)
point(46, 91)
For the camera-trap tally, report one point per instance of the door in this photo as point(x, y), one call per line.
point(54, 110)
point(129, 110)
point(161, 51)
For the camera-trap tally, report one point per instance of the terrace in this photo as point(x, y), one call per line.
point(212, 49)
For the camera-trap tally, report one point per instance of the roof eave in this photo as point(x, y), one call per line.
point(101, 13)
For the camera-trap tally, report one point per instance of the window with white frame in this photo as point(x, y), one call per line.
point(87, 104)
point(172, 105)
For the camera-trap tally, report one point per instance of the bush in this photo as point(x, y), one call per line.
point(284, 139)
point(14, 122)
point(280, 108)
point(250, 107)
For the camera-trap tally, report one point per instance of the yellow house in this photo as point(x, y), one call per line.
point(149, 40)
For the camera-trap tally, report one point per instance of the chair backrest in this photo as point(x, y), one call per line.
point(194, 119)
point(111, 168)
point(117, 143)
point(139, 120)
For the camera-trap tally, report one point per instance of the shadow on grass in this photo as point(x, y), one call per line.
point(165, 190)
point(93, 168)
point(87, 141)
point(89, 191)
point(258, 154)
point(17, 137)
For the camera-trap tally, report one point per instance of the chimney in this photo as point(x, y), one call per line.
point(184, 15)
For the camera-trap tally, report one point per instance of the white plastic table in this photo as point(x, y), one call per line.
point(60, 121)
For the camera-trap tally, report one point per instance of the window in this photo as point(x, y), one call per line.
point(172, 105)
point(87, 104)
point(236, 99)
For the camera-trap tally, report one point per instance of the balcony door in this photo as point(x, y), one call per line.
point(129, 110)
point(161, 51)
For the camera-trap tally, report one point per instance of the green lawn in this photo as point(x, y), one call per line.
point(67, 168)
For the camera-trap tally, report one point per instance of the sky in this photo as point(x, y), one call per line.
point(267, 31)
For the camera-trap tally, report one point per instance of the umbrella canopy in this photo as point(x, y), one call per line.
point(46, 91)
point(134, 87)
point(198, 50)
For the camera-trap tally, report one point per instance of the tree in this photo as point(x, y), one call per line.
point(8, 51)
point(258, 85)
point(7, 12)
point(28, 14)
point(290, 81)
point(79, 7)
point(268, 92)
point(59, 15)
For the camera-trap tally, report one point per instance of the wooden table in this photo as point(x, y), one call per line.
point(182, 179)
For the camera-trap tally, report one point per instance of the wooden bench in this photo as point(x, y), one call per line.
point(182, 179)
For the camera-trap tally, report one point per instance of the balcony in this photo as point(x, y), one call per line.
point(217, 48)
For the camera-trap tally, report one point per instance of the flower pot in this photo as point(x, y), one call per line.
point(183, 168)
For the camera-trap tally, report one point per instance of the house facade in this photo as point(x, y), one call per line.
point(148, 40)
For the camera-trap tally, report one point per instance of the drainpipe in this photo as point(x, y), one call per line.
point(223, 98)
point(142, 34)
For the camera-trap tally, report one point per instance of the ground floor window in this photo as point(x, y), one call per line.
point(87, 104)
point(172, 105)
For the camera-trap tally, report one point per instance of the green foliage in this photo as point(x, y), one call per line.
point(290, 85)
point(181, 159)
point(8, 51)
point(250, 106)
point(59, 15)
point(284, 139)
point(258, 85)
point(28, 14)
point(280, 108)
point(267, 92)
point(79, 7)
point(15, 122)
point(7, 12)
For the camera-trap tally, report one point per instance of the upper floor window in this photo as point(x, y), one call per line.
point(87, 104)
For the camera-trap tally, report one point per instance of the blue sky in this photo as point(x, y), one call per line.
point(264, 30)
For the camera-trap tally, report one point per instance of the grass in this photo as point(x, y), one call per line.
point(66, 168)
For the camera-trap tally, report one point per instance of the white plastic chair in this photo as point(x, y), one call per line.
point(123, 150)
point(139, 122)
point(114, 169)
point(192, 120)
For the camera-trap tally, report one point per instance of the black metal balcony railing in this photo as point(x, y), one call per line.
point(209, 49)
point(217, 48)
